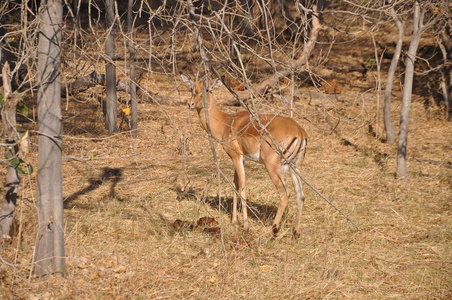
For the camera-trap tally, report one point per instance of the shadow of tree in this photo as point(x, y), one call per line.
point(109, 175)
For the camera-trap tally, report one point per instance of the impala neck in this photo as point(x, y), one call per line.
point(217, 118)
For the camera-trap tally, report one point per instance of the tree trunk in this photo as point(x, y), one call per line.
point(446, 85)
point(110, 73)
point(133, 86)
point(390, 79)
point(49, 254)
point(407, 92)
point(12, 176)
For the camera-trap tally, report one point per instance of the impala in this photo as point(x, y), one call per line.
point(243, 137)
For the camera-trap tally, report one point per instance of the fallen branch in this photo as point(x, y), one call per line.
point(447, 164)
point(82, 84)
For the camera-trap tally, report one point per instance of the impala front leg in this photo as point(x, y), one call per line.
point(245, 211)
point(234, 200)
point(239, 180)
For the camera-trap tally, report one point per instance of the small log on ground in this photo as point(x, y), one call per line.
point(82, 84)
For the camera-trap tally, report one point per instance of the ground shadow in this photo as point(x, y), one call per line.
point(378, 157)
point(256, 211)
point(110, 176)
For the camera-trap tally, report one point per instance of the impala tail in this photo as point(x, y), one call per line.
point(294, 154)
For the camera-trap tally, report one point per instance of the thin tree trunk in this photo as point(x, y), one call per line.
point(12, 175)
point(390, 79)
point(407, 92)
point(446, 85)
point(133, 86)
point(49, 253)
point(110, 73)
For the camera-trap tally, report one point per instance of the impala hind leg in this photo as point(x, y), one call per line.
point(300, 201)
point(274, 170)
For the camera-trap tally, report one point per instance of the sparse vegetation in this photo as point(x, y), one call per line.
point(123, 195)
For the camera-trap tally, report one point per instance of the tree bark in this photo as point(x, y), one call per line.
point(133, 86)
point(49, 254)
point(12, 175)
point(390, 79)
point(446, 85)
point(407, 92)
point(110, 73)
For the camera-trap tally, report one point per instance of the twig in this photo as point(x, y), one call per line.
point(7, 263)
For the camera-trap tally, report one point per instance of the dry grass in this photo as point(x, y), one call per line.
point(124, 195)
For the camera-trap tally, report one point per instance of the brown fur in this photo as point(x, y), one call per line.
point(243, 137)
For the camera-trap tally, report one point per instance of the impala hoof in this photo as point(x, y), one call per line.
point(296, 234)
point(275, 229)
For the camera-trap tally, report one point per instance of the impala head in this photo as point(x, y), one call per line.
point(196, 101)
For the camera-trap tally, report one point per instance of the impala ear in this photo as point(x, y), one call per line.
point(186, 79)
point(216, 84)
